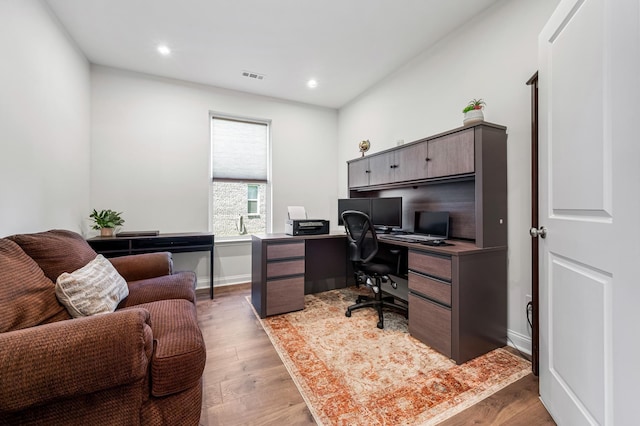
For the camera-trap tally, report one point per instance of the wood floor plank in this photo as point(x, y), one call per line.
point(245, 382)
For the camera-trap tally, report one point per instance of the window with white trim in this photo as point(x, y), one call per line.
point(239, 159)
point(253, 199)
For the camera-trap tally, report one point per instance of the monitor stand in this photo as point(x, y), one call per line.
point(384, 229)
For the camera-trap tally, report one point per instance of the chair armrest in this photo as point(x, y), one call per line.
point(143, 266)
point(73, 357)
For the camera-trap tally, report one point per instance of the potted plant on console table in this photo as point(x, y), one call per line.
point(105, 221)
point(473, 112)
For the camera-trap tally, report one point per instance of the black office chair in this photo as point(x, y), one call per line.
point(363, 247)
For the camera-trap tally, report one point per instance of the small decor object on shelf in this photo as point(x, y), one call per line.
point(105, 221)
point(364, 146)
point(473, 112)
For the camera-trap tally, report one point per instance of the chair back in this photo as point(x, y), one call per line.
point(363, 243)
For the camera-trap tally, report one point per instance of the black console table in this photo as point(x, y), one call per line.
point(175, 243)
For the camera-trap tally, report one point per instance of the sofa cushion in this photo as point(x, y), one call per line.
point(56, 251)
point(27, 297)
point(180, 285)
point(96, 288)
point(179, 351)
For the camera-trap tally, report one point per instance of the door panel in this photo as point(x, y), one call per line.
point(578, 89)
point(578, 336)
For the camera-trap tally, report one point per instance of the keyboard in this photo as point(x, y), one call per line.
point(409, 238)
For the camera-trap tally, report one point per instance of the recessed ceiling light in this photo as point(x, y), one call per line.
point(164, 50)
point(312, 84)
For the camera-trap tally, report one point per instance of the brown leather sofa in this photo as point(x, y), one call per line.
point(141, 364)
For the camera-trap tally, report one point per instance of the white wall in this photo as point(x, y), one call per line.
point(491, 57)
point(150, 158)
point(44, 123)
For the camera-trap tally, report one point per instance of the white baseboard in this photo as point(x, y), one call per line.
point(519, 341)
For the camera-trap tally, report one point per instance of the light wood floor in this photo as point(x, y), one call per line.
point(245, 383)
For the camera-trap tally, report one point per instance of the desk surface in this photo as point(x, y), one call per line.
point(458, 247)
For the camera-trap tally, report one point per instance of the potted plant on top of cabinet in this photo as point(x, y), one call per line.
point(473, 112)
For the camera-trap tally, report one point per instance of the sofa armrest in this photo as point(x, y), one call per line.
point(143, 266)
point(73, 357)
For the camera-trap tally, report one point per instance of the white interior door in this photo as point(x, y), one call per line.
point(589, 193)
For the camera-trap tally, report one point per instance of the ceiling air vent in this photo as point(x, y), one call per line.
point(250, 74)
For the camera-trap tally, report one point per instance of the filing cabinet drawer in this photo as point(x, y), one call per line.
point(437, 266)
point(285, 267)
point(285, 295)
point(433, 289)
point(430, 323)
point(285, 250)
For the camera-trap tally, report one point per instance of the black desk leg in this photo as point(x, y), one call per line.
point(211, 273)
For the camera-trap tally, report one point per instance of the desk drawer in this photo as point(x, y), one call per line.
point(433, 289)
point(285, 267)
point(437, 266)
point(285, 295)
point(430, 323)
point(285, 250)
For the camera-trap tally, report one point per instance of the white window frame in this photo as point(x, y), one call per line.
point(256, 200)
point(268, 189)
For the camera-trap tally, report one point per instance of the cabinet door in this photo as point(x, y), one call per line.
point(382, 168)
point(412, 162)
point(451, 155)
point(358, 173)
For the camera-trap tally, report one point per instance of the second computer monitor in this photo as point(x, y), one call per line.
point(435, 224)
point(386, 213)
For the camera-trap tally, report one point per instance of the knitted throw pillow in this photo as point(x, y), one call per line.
point(96, 288)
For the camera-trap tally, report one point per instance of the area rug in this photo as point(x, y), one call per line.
point(351, 373)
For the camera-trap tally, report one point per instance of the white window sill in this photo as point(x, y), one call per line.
point(228, 241)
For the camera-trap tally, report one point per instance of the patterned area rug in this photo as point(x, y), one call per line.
point(352, 373)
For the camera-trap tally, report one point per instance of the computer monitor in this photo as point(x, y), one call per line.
point(359, 204)
point(386, 213)
point(435, 224)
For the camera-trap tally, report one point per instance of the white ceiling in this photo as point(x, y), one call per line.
point(346, 45)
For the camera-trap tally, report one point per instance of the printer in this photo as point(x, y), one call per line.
point(298, 224)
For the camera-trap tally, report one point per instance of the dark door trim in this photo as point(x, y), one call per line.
point(532, 310)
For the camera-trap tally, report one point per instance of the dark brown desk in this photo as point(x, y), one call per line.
point(174, 243)
point(457, 294)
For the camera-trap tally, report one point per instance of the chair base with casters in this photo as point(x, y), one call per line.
point(378, 301)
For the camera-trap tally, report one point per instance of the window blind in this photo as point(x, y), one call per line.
point(239, 150)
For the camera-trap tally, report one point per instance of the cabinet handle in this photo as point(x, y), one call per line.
point(367, 171)
point(427, 159)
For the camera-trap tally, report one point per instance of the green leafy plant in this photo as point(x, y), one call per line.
point(474, 104)
point(106, 219)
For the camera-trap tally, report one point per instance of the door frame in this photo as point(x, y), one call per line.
point(535, 259)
